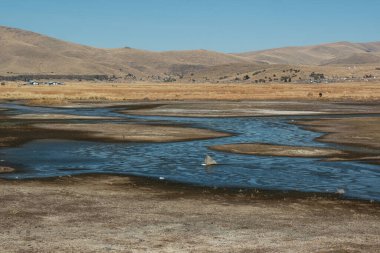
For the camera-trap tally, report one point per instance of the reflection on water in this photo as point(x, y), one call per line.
point(181, 161)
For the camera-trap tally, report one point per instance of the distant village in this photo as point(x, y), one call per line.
point(34, 82)
point(290, 75)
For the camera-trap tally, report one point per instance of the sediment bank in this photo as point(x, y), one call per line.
point(98, 213)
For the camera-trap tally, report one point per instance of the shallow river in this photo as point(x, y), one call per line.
point(181, 161)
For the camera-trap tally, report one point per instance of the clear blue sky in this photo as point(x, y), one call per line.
point(220, 25)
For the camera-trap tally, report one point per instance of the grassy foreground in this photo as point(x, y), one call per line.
point(175, 91)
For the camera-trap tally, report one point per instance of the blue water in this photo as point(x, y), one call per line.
point(181, 161)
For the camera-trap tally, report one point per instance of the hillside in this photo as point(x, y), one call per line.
point(27, 53)
point(359, 58)
point(333, 53)
point(24, 52)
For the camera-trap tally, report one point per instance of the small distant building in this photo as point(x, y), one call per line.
point(54, 83)
point(317, 77)
point(33, 82)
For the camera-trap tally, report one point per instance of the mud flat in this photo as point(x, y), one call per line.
point(249, 108)
point(18, 132)
point(121, 214)
point(136, 132)
point(360, 132)
point(357, 131)
point(6, 169)
point(277, 150)
point(56, 116)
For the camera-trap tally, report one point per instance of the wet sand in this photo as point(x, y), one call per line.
point(18, 129)
point(361, 133)
point(354, 131)
point(136, 132)
point(14, 135)
point(277, 150)
point(57, 116)
point(102, 213)
point(6, 169)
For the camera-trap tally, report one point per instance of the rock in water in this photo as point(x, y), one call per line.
point(209, 161)
point(340, 191)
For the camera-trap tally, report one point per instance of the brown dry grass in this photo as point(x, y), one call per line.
point(152, 91)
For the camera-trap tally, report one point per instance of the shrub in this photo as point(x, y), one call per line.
point(317, 76)
point(169, 79)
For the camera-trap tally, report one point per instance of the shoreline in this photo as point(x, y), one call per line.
point(97, 213)
point(157, 184)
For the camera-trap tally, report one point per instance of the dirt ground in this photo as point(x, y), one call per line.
point(102, 213)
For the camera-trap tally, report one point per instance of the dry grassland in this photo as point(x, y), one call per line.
point(152, 91)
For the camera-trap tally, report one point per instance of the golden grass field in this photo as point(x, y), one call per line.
point(365, 91)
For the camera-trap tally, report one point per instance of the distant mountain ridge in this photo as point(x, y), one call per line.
point(332, 53)
point(27, 52)
point(24, 52)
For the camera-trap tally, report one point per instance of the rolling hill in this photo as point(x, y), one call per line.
point(333, 53)
point(25, 52)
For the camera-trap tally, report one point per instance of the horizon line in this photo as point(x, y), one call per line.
point(187, 50)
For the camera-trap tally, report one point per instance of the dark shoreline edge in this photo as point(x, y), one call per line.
point(173, 189)
point(323, 138)
point(121, 107)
